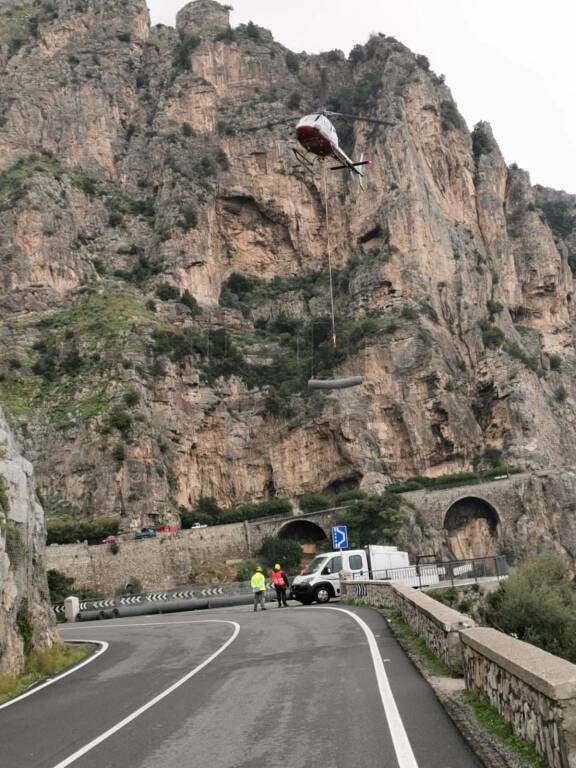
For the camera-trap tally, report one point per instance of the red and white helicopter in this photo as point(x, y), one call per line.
point(318, 136)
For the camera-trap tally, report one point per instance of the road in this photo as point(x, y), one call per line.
point(307, 687)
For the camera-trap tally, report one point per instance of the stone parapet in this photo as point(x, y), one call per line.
point(436, 623)
point(533, 690)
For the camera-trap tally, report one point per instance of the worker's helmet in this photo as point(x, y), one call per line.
point(277, 567)
point(258, 568)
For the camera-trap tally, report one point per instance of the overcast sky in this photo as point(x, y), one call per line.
point(511, 62)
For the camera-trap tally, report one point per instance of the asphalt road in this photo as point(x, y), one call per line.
point(297, 688)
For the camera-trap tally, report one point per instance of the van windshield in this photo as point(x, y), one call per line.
point(315, 565)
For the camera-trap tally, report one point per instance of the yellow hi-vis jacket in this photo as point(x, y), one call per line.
point(258, 582)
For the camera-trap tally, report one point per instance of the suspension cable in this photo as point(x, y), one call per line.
point(328, 248)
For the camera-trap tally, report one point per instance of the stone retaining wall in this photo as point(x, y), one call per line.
point(533, 690)
point(161, 563)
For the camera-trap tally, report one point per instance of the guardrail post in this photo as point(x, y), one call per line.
point(71, 608)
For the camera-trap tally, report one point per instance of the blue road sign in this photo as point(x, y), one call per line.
point(340, 537)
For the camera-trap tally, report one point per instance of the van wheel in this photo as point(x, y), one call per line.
point(322, 595)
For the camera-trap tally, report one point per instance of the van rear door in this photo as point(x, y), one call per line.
point(356, 563)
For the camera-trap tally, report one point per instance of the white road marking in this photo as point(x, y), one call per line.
point(402, 747)
point(103, 648)
point(113, 625)
point(111, 731)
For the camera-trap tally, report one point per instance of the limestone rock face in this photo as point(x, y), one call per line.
point(135, 160)
point(203, 17)
point(26, 619)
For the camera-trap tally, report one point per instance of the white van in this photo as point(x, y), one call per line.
point(321, 580)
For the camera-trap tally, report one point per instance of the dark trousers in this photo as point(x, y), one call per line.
point(281, 595)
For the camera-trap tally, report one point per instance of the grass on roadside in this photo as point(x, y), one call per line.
point(491, 720)
point(39, 665)
point(411, 642)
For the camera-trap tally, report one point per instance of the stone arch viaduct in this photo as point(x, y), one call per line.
point(513, 515)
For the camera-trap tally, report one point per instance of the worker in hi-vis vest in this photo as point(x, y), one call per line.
point(258, 583)
point(281, 584)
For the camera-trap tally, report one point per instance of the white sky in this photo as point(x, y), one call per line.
point(511, 62)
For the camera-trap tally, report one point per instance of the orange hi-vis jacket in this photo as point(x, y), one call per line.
point(278, 578)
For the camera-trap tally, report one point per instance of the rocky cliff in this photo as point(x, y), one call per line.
point(26, 620)
point(163, 270)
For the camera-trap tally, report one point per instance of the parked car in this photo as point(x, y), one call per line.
point(168, 529)
point(109, 540)
point(146, 533)
point(199, 525)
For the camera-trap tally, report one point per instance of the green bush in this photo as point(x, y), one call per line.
point(314, 501)
point(189, 301)
point(559, 217)
point(293, 62)
point(167, 292)
point(245, 570)
point(374, 520)
point(124, 37)
point(446, 596)
point(286, 552)
point(353, 495)
point(482, 144)
point(491, 335)
point(15, 544)
point(132, 398)
point(494, 307)
point(121, 420)
point(451, 119)
point(4, 500)
point(189, 218)
point(67, 530)
point(537, 603)
point(25, 627)
point(60, 586)
point(515, 351)
point(555, 362)
point(560, 394)
point(253, 511)
point(252, 31)
point(182, 55)
point(119, 453)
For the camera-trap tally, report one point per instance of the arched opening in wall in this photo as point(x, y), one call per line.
point(472, 526)
point(306, 533)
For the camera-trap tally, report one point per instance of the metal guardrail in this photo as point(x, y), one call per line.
point(452, 571)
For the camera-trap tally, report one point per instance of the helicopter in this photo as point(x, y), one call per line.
point(317, 135)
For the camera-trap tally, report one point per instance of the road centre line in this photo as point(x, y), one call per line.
point(102, 649)
point(402, 747)
point(111, 731)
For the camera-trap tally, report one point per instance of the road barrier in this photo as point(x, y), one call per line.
point(453, 571)
point(194, 598)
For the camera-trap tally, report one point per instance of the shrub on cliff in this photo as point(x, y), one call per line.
point(256, 510)
point(537, 603)
point(60, 586)
point(314, 501)
point(66, 530)
point(284, 551)
point(375, 520)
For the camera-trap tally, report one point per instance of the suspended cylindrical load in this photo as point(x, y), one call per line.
point(351, 381)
